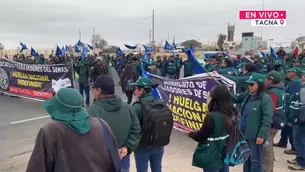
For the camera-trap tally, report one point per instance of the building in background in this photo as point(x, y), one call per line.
point(231, 31)
point(249, 41)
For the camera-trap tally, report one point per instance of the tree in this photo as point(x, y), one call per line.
point(1, 46)
point(111, 49)
point(98, 42)
point(220, 41)
point(191, 42)
point(300, 39)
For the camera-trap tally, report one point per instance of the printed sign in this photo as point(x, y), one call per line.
point(34, 81)
point(264, 17)
point(187, 98)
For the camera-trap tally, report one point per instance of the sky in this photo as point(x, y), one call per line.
point(43, 24)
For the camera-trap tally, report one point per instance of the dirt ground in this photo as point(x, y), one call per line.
point(177, 158)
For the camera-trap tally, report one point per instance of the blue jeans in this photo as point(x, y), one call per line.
point(82, 88)
point(299, 143)
point(152, 155)
point(224, 169)
point(287, 134)
point(125, 164)
point(254, 163)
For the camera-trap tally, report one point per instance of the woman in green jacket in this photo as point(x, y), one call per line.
point(256, 119)
point(212, 136)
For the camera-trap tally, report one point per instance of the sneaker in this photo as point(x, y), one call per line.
point(296, 167)
point(293, 161)
point(280, 145)
point(290, 152)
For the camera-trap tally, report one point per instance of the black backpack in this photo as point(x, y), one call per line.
point(156, 123)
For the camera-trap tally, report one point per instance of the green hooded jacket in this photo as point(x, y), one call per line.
point(121, 119)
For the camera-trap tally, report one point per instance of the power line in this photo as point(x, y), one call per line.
point(139, 22)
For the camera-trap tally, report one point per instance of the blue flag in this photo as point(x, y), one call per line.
point(197, 67)
point(23, 47)
point(80, 43)
point(85, 52)
point(130, 47)
point(68, 48)
point(90, 47)
point(167, 46)
point(272, 53)
point(148, 48)
point(263, 54)
point(229, 55)
point(146, 75)
point(63, 50)
point(58, 51)
point(34, 53)
point(119, 52)
point(77, 50)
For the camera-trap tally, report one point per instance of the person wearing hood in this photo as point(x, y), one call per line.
point(227, 68)
point(98, 69)
point(72, 141)
point(119, 116)
point(275, 88)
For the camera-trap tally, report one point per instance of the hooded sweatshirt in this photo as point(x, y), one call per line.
point(122, 120)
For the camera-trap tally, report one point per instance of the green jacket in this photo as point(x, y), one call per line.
point(188, 69)
point(240, 81)
point(229, 71)
point(172, 67)
point(138, 108)
point(84, 73)
point(259, 117)
point(121, 119)
point(278, 90)
point(42, 61)
point(291, 99)
point(210, 153)
point(210, 68)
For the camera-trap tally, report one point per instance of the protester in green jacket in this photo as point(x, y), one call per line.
point(158, 63)
point(256, 119)
point(257, 62)
point(212, 136)
point(227, 68)
point(84, 73)
point(275, 88)
point(211, 63)
point(118, 115)
point(290, 103)
point(179, 62)
point(143, 155)
point(42, 60)
point(171, 68)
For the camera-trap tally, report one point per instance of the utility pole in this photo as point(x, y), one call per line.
point(262, 26)
point(94, 31)
point(80, 35)
point(150, 36)
point(168, 35)
point(153, 27)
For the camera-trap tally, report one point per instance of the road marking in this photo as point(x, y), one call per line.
point(31, 119)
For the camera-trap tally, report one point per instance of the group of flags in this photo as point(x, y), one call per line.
point(79, 47)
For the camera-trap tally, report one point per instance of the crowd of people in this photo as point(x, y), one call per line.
point(268, 88)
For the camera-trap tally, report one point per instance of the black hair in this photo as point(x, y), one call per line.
point(250, 67)
point(228, 62)
point(261, 88)
point(221, 101)
point(147, 90)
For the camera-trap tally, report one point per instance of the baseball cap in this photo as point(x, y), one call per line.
point(256, 78)
point(296, 70)
point(274, 76)
point(105, 83)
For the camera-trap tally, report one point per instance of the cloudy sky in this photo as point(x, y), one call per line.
point(44, 24)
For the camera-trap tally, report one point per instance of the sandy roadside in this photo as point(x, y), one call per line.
point(177, 158)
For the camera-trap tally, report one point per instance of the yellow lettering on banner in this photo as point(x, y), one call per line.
point(33, 77)
point(29, 83)
point(190, 104)
point(186, 117)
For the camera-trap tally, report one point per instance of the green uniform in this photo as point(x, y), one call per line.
point(83, 72)
point(291, 98)
point(210, 153)
point(228, 71)
point(171, 67)
point(210, 67)
point(121, 119)
point(188, 68)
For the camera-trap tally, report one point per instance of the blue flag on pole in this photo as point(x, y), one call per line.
point(167, 46)
point(130, 47)
point(146, 75)
point(34, 53)
point(58, 51)
point(85, 52)
point(197, 67)
point(80, 43)
point(68, 48)
point(272, 53)
point(23, 47)
point(148, 48)
point(263, 54)
point(63, 50)
point(77, 50)
point(119, 52)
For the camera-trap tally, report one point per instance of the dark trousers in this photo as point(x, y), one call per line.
point(287, 134)
point(129, 95)
point(224, 169)
point(255, 162)
point(299, 143)
point(153, 156)
point(82, 88)
point(125, 164)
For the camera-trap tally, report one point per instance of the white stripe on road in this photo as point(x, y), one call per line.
point(31, 119)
